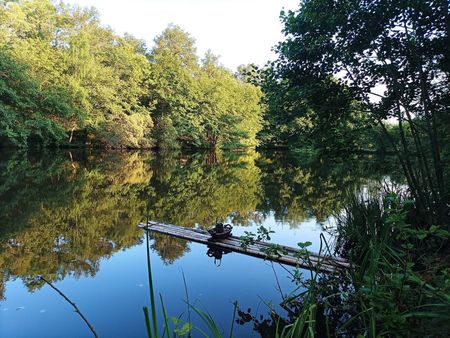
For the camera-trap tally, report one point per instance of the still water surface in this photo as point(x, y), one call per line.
point(71, 217)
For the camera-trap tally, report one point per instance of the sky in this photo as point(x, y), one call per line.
point(240, 31)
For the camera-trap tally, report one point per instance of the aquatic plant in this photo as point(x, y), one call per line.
point(179, 327)
point(398, 283)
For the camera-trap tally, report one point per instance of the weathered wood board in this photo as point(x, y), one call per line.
point(257, 249)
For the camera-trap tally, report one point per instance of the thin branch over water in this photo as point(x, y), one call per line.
point(77, 310)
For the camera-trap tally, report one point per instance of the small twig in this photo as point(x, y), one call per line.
point(77, 310)
point(287, 270)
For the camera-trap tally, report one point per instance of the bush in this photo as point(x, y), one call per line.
point(125, 131)
point(165, 134)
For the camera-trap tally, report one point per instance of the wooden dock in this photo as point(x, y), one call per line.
point(290, 256)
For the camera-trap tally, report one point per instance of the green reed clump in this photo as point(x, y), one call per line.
point(400, 275)
point(399, 283)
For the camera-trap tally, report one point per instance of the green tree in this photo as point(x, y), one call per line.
point(229, 109)
point(26, 111)
point(320, 114)
point(68, 52)
point(399, 48)
point(206, 104)
point(173, 64)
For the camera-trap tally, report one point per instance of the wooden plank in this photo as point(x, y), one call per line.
point(236, 241)
point(254, 250)
point(233, 243)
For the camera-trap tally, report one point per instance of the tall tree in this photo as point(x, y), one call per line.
point(391, 55)
point(199, 104)
point(230, 110)
point(104, 75)
point(172, 84)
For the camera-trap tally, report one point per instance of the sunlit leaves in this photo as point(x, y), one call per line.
point(204, 102)
point(78, 76)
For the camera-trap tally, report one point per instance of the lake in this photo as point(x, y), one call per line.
point(71, 217)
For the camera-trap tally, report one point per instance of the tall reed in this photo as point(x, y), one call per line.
point(180, 328)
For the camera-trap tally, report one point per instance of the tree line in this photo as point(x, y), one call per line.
point(67, 80)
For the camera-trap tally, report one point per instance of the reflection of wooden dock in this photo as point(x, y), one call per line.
point(233, 243)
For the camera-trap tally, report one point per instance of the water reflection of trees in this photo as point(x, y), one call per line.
point(60, 214)
point(201, 189)
point(193, 191)
point(295, 190)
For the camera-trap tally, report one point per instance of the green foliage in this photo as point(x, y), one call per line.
point(248, 238)
point(230, 108)
point(318, 114)
point(398, 284)
point(80, 76)
point(398, 278)
point(165, 134)
point(75, 77)
point(274, 250)
point(263, 234)
point(25, 110)
point(122, 130)
point(207, 106)
point(392, 59)
point(249, 73)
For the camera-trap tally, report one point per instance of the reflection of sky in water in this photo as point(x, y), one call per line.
point(99, 201)
point(113, 299)
point(307, 231)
